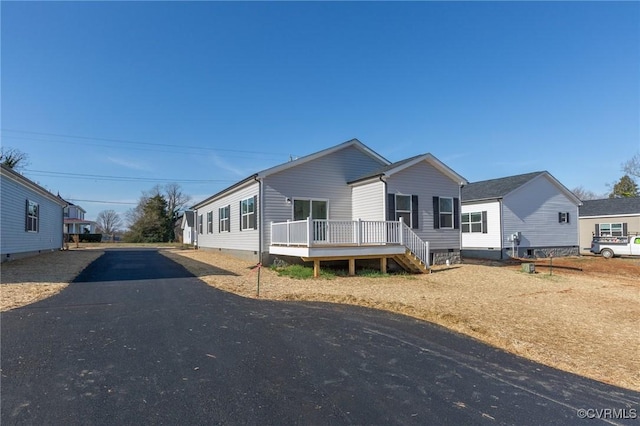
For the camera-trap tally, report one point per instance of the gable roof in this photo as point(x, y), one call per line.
point(307, 158)
point(302, 160)
point(501, 187)
point(398, 166)
point(188, 217)
point(610, 207)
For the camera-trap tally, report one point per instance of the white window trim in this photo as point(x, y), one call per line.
point(33, 221)
point(248, 214)
point(210, 222)
point(224, 223)
point(440, 212)
point(470, 223)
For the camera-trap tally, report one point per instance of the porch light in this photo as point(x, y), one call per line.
point(288, 200)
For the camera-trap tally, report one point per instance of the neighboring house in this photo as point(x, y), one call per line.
point(188, 228)
point(611, 216)
point(31, 217)
point(528, 215)
point(343, 203)
point(74, 221)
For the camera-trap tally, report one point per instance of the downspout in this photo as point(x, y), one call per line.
point(261, 229)
point(501, 218)
point(460, 217)
point(385, 207)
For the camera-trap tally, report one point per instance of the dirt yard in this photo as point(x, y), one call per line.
point(583, 318)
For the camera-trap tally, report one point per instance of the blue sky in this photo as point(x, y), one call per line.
point(207, 93)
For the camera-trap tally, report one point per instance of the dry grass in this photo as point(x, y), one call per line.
point(583, 321)
point(28, 280)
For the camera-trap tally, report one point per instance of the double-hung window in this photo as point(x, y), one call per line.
point(32, 216)
point(200, 224)
point(248, 214)
point(209, 222)
point(403, 208)
point(446, 213)
point(563, 217)
point(223, 219)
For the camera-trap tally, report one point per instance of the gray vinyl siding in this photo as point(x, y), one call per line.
point(15, 239)
point(234, 239)
point(369, 201)
point(533, 211)
point(323, 179)
point(427, 182)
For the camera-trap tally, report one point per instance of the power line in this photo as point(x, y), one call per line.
point(141, 143)
point(101, 202)
point(120, 178)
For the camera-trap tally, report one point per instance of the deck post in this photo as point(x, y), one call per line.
point(383, 265)
point(316, 268)
point(359, 232)
point(401, 231)
point(352, 266)
point(310, 232)
point(288, 233)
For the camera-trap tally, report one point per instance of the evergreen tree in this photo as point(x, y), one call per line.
point(625, 187)
point(153, 223)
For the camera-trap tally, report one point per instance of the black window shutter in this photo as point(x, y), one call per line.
point(597, 234)
point(240, 216)
point(484, 222)
point(456, 213)
point(255, 209)
point(414, 212)
point(559, 217)
point(567, 217)
point(219, 222)
point(624, 229)
point(26, 216)
point(228, 218)
point(391, 207)
point(436, 212)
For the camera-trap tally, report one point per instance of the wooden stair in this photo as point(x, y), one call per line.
point(410, 263)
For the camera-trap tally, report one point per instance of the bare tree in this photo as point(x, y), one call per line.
point(176, 199)
point(585, 194)
point(13, 158)
point(109, 221)
point(632, 167)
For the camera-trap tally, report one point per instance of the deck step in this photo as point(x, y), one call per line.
point(410, 263)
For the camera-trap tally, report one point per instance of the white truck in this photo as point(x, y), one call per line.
point(609, 247)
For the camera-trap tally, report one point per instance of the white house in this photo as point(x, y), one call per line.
point(74, 221)
point(345, 202)
point(188, 227)
point(32, 217)
point(528, 215)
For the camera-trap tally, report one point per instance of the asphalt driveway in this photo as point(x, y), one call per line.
point(138, 340)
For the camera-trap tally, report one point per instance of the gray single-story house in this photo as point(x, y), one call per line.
point(527, 215)
point(31, 217)
point(346, 202)
point(616, 217)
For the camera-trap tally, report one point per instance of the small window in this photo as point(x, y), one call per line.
point(223, 219)
point(200, 224)
point(33, 216)
point(563, 217)
point(209, 222)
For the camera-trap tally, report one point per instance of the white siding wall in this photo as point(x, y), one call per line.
point(234, 239)
point(324, 179)
point(368, 201)
point(477, 240)
point(15, 239)
point(533, 211)
point(427, 182)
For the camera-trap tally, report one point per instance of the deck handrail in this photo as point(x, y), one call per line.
point(316, 232)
